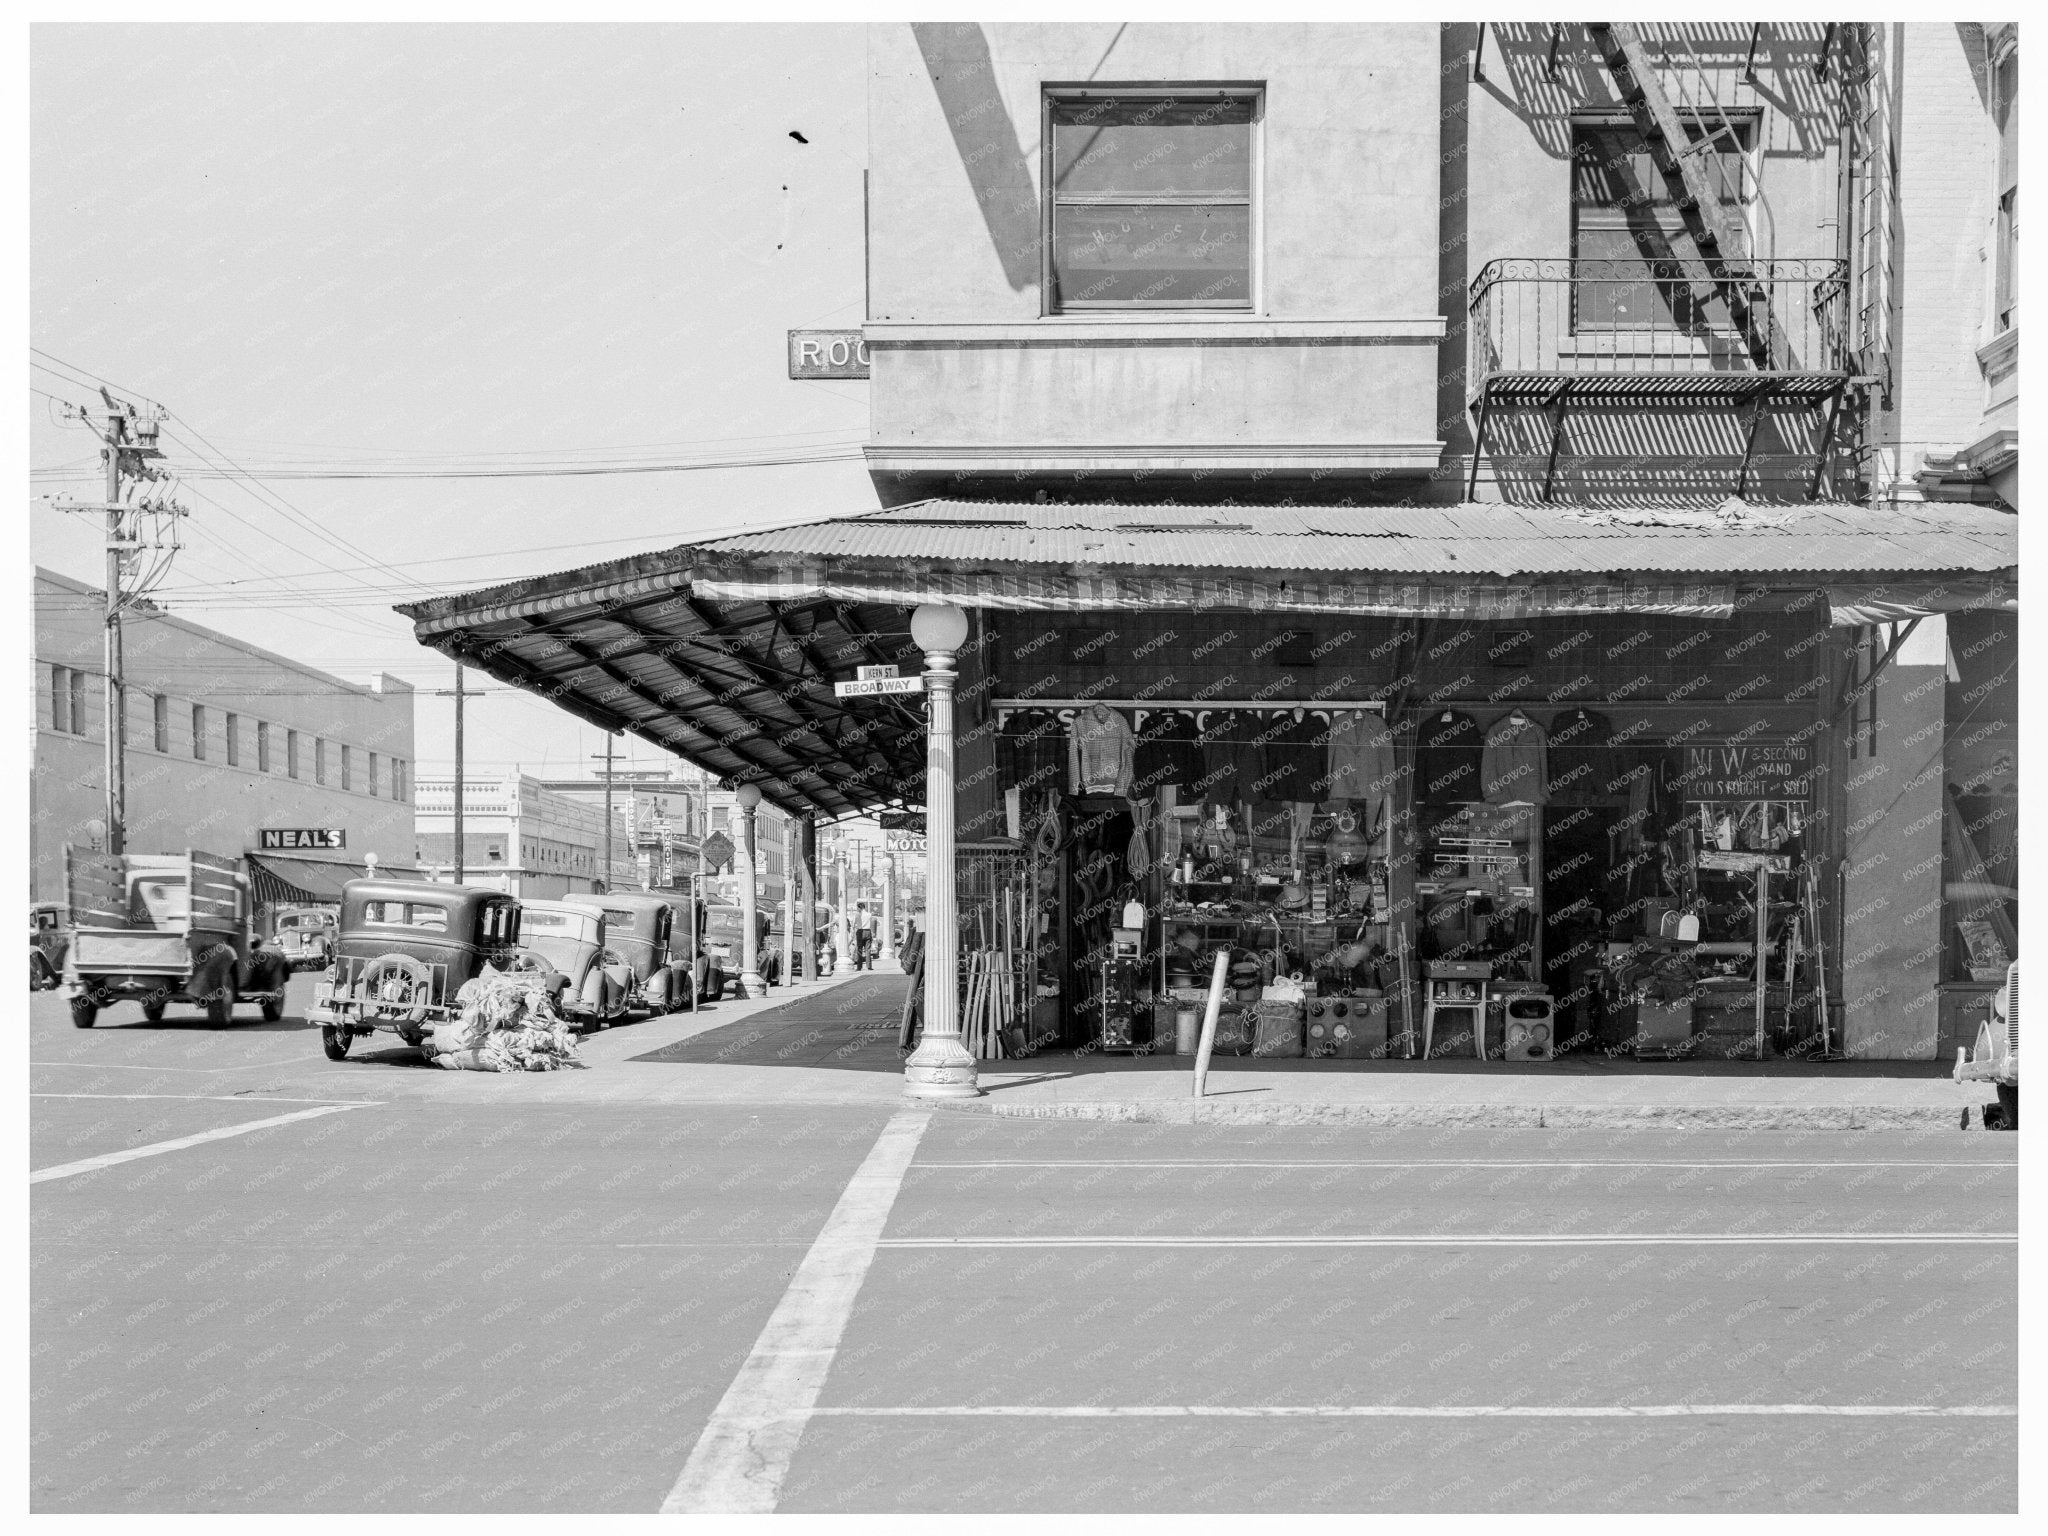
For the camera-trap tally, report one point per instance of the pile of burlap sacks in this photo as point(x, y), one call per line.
point(506, 1024)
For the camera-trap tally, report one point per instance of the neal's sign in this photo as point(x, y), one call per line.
point(285, 839)
point(827, 355)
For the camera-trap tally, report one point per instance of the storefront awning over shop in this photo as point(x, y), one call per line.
point(273, 879)
point(725, 652)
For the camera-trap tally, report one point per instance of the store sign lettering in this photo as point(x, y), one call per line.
point(827, 355)
point(281, 839)
point(1775, 770)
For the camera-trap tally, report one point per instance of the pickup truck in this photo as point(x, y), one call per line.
point(1997, 1057)
point(162, 929)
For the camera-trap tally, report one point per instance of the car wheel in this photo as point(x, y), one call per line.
point(335, 1042)
point(83, 1011)
point(220, 1010)
point(154, 1012)
point(273, 1007)
point(38, 972)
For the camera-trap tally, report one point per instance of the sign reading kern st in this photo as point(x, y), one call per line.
point(827, 355)
point(284, 839)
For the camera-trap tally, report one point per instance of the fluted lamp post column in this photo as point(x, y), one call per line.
point(748, 797)
point(940, 1067)
point(885, 954)
point(842, 951)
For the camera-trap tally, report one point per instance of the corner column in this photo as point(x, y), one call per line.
point(751, 982)
point(842, 951)
point(940, 1067)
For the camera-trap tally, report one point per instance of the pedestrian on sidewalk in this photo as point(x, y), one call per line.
point(864, 939)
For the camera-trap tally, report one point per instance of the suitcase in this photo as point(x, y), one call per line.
point(1279, 1030)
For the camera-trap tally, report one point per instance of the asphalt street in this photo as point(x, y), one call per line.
point(416, 1300)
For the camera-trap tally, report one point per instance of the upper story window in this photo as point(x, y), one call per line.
point(1150, 204)
point(2005, 85)
point(199, 732)
point(291, 753)
point(1628, 230)
point(234, 741)
point(60, 699)
point(263, 746)
point(160, 723)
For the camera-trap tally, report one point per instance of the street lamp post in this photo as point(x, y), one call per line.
point(941, 1067)
point(885, 957)
point(748, 797)
point(842, 951)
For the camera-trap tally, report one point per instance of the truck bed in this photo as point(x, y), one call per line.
point(129, 952)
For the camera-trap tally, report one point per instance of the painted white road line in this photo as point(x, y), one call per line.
point(744, 1453)
point(1471, 1240)
point(156, 1148)
point(1475, 1411)
point(135, 1066)
point(208, 1098)
point(1440, 1163)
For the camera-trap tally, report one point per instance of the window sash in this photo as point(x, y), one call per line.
point(199, 733)
point(160, 723)
point(60, 699)
point(263, 746)
point(291, 754)
point(345, 775)
point(234, 741)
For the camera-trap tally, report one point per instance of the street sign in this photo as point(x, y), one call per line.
point(277, 838)
point(718, 851)
point(903, 842)
point(827, 355)
point(869, 687)
point(869, 674)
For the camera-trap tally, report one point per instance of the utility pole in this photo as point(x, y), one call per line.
point(461, 860)
point(607, 756)
point(128, 444)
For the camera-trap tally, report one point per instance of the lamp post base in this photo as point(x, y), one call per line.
point(888, 965)
point(940, 1069)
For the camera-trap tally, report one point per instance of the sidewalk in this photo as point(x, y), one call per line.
point(838, 1044)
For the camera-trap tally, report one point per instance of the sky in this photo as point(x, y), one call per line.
point(335, 249)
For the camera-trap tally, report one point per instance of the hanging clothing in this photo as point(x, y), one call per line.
point(1582, 765)
point(1361, 748)
point(1226, 738)
point(1292, 762)
point(1031, 752)
point(1100, 752)
point(1448, 746)
point(1169, 751)
point(1514, 766)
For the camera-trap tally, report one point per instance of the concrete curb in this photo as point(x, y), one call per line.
point(1575, 1117)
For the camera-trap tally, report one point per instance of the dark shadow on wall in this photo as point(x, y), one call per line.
point(957, 58)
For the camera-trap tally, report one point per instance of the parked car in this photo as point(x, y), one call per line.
point(1997, 1057)
point(591, 980)
point(162, 929)
point(402, 950)
point(47, 944)
point(304, 936)
point(640, 928)
point(722, 932)
point(686, 947)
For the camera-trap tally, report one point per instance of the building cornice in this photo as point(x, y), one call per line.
point(1126, 330)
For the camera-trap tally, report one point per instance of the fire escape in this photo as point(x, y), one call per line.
point(1695, 329)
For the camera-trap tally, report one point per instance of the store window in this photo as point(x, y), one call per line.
point(234, 741)
point(1151, 202)
point(160, 723)
point(199, 732)
point(263, 746)
point(2006, 106)
point(1629, 241)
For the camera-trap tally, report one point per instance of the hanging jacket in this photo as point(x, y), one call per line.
point(1224, 740)
point(1582, 765)
point(1031, 753)
point(1513, 765)
point(1169, 752)
point(1102, 752)
point(1292, 763)
point(1448, 746)
point(1361, 756)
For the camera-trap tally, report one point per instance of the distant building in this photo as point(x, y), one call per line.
point(518, 835)
point(226, 741)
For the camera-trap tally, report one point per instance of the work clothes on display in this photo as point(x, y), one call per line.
point(1031, 752)
point(1582, 762)
point(1292, 762)
point(1448, 746)
point(1169, 751)
point(1513, 766)
point(1361, 751)
point(1101, 752)
point(1226, 744)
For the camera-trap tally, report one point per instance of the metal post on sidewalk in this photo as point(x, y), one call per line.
point(1209, 1018)
point(748, 798)
point(940, 1067)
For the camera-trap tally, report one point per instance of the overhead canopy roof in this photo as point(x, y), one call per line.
point(725, 652)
